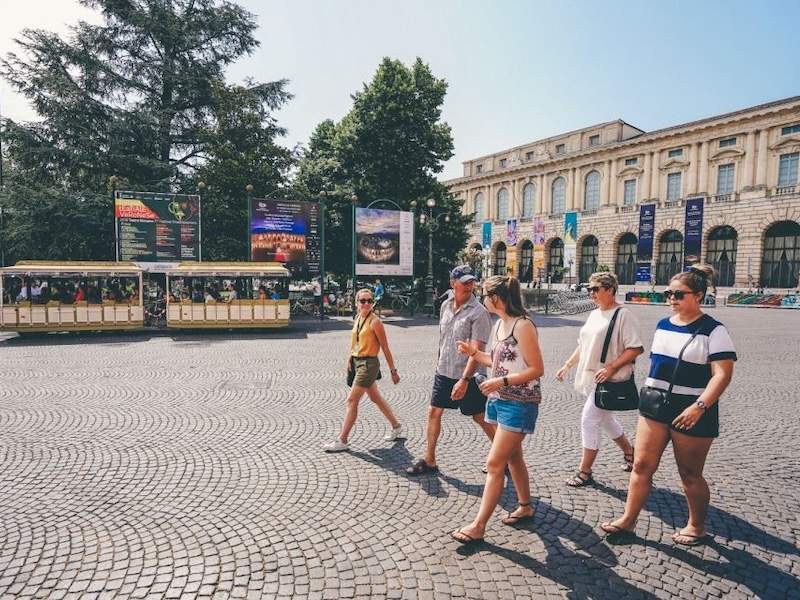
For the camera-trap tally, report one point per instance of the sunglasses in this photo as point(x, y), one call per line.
point(366, 301)
point(679, 294)
point(596, 288)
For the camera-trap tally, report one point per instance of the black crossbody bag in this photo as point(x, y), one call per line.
point(654, 402)
point(615, 395)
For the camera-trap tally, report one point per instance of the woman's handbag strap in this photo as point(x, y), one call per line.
point(678, 364)
point(608, 336)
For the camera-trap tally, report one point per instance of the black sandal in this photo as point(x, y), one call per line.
point(578, 481)
point(421, 467)
point(628, 466)
point(463, 538)
point(616, 534)
point(511, 519)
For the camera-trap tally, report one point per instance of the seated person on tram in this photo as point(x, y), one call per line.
point(262, 293)
point(209, 297)
point(22, 295)
point(93, 295)
point(65, 294)
point(80, 295)
point(232, 293)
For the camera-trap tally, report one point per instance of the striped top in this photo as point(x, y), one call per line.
point(711, 343)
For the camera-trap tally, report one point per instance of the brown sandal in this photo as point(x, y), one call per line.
point(628, 466)
point(578, 481)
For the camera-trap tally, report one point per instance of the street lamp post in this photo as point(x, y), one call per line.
point(431, 223)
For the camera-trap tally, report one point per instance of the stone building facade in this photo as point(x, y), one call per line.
point(744, 165)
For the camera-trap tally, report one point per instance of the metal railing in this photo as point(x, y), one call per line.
point(731, 197)
point(672, 203)
point(784, 190)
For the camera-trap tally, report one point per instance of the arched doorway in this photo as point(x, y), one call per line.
point(500, 259)
point(721, 255)
point(555, 260)
point(588, 260)
point(625, 266)
point(780, 263)
point(670, 256)
point(526, 261)
point(476, 248)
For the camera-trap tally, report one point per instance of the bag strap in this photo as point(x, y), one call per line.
point(608, 336)
point(678, 363)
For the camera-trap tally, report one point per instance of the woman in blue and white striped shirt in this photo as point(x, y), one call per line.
point(691, 421)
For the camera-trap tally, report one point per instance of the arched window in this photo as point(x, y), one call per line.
point(555, 260)
point(502, 204)
point(591, 195)
point(559, 196)
point(528, 195)
point(588, 258)
point(526, 261)
point(780, 264)
point(670, 256)
point(500, 259)
point(626, 259)
point(722, 242)
point(480, 208)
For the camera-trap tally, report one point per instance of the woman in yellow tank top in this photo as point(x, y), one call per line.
point(367, 339)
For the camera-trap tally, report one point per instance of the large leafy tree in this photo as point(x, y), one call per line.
point(390, 145)
point(140, 96)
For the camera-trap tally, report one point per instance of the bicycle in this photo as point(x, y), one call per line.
point(401, 302)
point(304, 305)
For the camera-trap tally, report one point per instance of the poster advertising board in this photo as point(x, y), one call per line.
point(384, 242)
point(152, 227)
point(570, 242)
point(511, 232)
point(288, 232)
point(693, 238)
point(643, 272)
point(487, 235)
point(647, 221)
point(539, 262)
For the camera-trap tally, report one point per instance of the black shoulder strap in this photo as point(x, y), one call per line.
point(678, 363)
point(608, 336)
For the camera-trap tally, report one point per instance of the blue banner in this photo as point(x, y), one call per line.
point(693, 238)
point(643, 272)
point(647, 221)
point(487, 235)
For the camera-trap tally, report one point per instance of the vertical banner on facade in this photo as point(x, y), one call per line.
point(538, 248)
point(384, 242)
point(487, 236)
point(570, 242)
point(511, 232)
point(693, 238)
point(288, 232)
point(647, 221)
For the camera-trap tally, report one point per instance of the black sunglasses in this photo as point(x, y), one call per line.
point(679, 294)
point(596, 288)
point(366, 301)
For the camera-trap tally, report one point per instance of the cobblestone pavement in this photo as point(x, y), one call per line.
point(189, 466)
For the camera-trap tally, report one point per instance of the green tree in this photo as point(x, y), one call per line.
point(140, 96)
point(390, 145)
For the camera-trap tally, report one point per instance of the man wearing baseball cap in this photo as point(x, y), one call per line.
point(462, 318)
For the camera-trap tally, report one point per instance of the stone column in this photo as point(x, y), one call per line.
point(702, 184)
point(490, 202)
point(573, 190)
point(612, 184)
point(646, 177)
point(694, 151)
point(749, 159)
point(761, 165)
point(655, 177)
point(539, 207)
point(609, 183)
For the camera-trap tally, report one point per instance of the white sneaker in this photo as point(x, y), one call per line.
point(395, 434)
point(337, 446)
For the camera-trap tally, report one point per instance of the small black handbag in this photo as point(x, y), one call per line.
point(655, 403)
point(615, 395)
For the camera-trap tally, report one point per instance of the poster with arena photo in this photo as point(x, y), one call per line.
point(287, 232)
point(384, 242)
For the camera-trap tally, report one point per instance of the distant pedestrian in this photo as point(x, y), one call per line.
point(462, 318)
point(691, 366)
point(513, 391)
point(363, 366)
point(623, 347)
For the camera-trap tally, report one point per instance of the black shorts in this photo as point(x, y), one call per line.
point(473, 402)
point(706, 427)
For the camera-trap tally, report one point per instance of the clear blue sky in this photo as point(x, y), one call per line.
point(517, 71)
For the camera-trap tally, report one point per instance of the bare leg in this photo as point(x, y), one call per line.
point(522, 484)
point(488, 428)
point(651, 439)
point(505, 445)
point(350, 415)
point(587, 460)
point(376, 397)
point(690, 454)
point(432, 432)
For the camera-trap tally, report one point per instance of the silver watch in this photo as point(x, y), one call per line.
point(701, 404)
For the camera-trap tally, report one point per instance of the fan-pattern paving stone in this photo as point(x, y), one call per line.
point(189, 466)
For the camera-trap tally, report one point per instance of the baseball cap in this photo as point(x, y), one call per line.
point(463, 273)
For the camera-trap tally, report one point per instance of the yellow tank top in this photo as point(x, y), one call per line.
point(363, 341)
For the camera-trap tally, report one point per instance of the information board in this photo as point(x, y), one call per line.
point(384, 242)
point(288, 232)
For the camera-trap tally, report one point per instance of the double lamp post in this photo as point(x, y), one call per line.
point(430, 221)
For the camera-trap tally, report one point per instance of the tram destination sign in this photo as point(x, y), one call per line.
point(156, 227)
point(288, 232)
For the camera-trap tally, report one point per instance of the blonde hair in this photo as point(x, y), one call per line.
point(606, 279)
point(697, 278)
point(365, 291)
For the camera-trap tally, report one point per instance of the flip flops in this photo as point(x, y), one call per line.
point(511, 519)
point(687, 539)
point(421, 467)
point(616, 534)
point(462, 538)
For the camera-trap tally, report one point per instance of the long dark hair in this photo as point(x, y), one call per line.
point(507, 289)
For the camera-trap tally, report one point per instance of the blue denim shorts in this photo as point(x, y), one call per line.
point(512, 416)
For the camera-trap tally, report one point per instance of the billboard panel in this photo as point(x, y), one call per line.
point(539, 263)
point(384, 242)
point(511, 232)
point(154, 227)
point(694, 232)
point(647, 221)
point(570, 242)
point(288, 232)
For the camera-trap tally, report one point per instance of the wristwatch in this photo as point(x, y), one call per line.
point(701, 404)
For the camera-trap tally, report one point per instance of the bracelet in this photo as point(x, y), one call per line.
point(392, 370)
point(505, 381)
